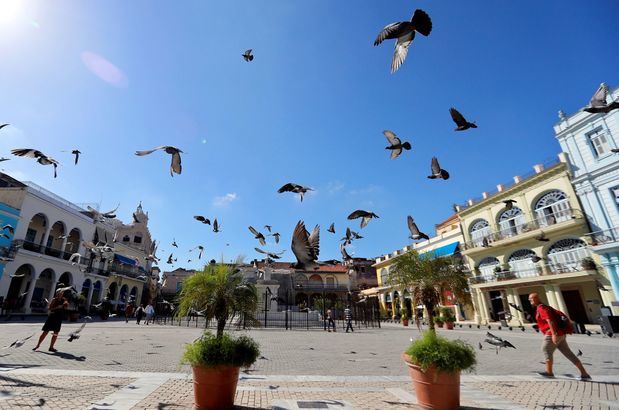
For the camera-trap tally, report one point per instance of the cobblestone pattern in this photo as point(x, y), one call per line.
point(560, 394)
point(61, 393)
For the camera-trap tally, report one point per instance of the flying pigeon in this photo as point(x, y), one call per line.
point(169, 261)
point(40, 157)
point(416, 234)
point(174, 243)
point(518, 308)
point(296, 188)
point(202, 219)
point(461, 122)
point(345, 256)
point(3, 125)
point(509, 204)
point(102, 216)
point(598, 102)
point(437, 171)
point(272, 255)
point(365, 215)
point(331, 228)
point(276, 235)
point(76, 335)
point(396, 145)
point(268, 227)
point(175, 166)
point(348, 238)
point(77, 155)
point(258, 235)
point(305, 246)
point(18, 342)
point(404, 32)
point(4, 159)
point(248, 56)
point(535, 259)
point(74, 259)
point(216, 226)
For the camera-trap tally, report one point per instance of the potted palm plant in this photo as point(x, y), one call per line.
point(404, 318)
point(223, 294)
point(448, 317)
point(434, 363)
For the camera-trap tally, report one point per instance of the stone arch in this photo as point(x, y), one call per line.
point(124, 292)
point(133, 294)
point(86, 287)
point(552, 207)
point(37, 226)
point(55, 238)
point(44, 288)
point(74, 239)
point(521, 263)
point(16, 295)
point(66, 279)
point(300, 298)
point(511, 222)
point(478, 230)
point(487, 265)
point(315, 279)
point(567, 254)
point(96, 292)
point(331, 281)
point(112, 291)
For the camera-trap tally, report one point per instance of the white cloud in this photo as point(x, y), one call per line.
point(335, 186)
point(225, 200)
point(364, 191)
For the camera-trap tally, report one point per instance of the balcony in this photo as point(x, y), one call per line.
point(545, 271)
point(560, 218)
point(607, 237)
point(38, 248)
point(319, 287)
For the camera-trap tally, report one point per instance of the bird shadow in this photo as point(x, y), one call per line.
point(66, 356)
point(23, 383)
point(11, 366)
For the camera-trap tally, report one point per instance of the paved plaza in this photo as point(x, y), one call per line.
point(124, 366)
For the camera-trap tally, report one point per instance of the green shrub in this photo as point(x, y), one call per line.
point(446, 355)
point(447, 314)
point(211, 351)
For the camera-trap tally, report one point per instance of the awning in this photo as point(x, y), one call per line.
point(446, 250)
point(125, 260)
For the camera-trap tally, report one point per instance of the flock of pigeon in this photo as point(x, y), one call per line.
point(305, 245)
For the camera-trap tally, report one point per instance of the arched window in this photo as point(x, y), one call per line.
point(330, 281)
point(521, 264)
point(565, 255)
point(511, 222)
point(553, 207)
point(479, 230)
point(486, 266)
point(384, 276)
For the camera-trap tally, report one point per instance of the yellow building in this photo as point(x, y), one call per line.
point(393, 299)
point(537, 244)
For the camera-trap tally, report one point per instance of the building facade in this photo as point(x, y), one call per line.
point(48, 230)
point(536, 243)
point(588, 139)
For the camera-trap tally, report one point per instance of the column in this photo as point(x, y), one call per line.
point(484, 307)
point(512, 311)
point(516, 297)
point(476, 306)
point(560, 301)
point(45, 237)
point(550, 296)
point(26, 304)
point(614, 279)
point(64, 244)
point(89, 297)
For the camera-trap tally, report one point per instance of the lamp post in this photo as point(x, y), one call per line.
point(267, 292)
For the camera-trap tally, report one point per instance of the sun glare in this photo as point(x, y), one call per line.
point(10, 10)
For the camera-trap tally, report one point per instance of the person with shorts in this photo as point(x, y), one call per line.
point(554, 337)
point(150, 313)
point(56, 309)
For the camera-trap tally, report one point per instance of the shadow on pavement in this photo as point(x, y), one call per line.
point(22, 383)
point(66, 356)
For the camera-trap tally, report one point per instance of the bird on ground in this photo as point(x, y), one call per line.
point(579, 353)
point(365, 216)
point(202, 219)
point(174, 243)
point(102, 216)
point(272, 255)
point(248, 56)
point(76, 334)
point(542, 237)
point(461, 122)
point(175, 166)
point(216, 226)
point(3, 125)
point(437, 171)
point(169, 261)
point(481, 347)
point(268, 227)
point(416, 234)
point(331, 228)
point(38, 155)
point(258, 235)
point(305, 246)
point(404, 32)
point(18, 342)
point(296, 188)
point(345, 256)
point(509, 204)
point(276, 235)
point(598, 102)
point(74, 259)
point(40, 403)
point(88, 318)
point(498, 343)
point(396, 146)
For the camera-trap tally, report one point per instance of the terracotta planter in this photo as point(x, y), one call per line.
point(449, 325)
point(405, 322)
point(215, 387)
point(434, 390)
point(439, 324)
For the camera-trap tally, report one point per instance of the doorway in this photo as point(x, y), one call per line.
point(575, 308)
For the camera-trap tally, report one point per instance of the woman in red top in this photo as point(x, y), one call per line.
point(554, 338)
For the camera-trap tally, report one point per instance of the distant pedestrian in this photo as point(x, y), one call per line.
point(150, 313)
point(57, 308)
point(128, 312)
point(139, 314)
point(348, 318)
point(330, 320)
point(418, 318)
point(555, 326)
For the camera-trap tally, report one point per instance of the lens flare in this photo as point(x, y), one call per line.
point(104, 69)
point(10, 11)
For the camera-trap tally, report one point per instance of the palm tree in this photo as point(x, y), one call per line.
point(428, 277)
point(222, 293)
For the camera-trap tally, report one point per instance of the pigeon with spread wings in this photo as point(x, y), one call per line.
point(272, 255)
point(365, 216)
point(416, 234)
point(395, 145)
point(598, 102)
point(38, 155)
point(404, 32)
point(102, 216)
point(248, 56)
point(76, 334)
point(258, 235)
point(296, 188)
point(305, 246)
point(175, 166)
point(437, 171)
point(461, 122)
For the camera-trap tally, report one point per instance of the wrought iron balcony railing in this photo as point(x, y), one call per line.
point(537, 271)
point(604, 237)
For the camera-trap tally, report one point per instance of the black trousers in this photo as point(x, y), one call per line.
point(349, 326)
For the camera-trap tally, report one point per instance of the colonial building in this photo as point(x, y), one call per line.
point(48, 230)
point(393, 298)
point(528, 237)
point(589, 139)
point(173, 281)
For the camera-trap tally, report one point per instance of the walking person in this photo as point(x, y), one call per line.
point(418, 318)
point(57, 308)
point(330, 320)
point(348, 318)
point(555, 326)
point(150, 313)
point(139, 314)
point(128, 312)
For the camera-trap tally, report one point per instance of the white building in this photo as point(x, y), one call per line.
point(48, 230)
point(588, 140)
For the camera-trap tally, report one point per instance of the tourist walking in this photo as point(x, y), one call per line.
point(150, 313)
point(348, 318)
point(128, 312)
point(139, 314)
point(330, 320)
point(56, 312)
point(555, 326)
point(418, 318)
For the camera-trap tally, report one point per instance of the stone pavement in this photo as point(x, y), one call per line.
point(128, 366)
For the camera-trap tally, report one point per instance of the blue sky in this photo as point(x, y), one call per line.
point(309, 109)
